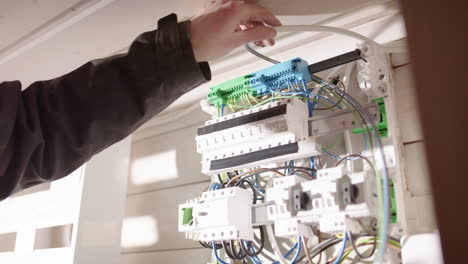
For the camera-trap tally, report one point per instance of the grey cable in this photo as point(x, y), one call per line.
point(258, 54)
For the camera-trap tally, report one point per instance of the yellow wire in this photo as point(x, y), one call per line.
point(254, 99)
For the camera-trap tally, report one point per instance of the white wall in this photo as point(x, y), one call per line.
point(416, 201)
point(164, 172)
point(28, 213)
point(76, 219)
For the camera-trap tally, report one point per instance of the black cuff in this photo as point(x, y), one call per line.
point(173, 44)
point(184, 31)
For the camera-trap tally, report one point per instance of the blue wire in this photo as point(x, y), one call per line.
point(255, 259)
point(214, 186)
point(298, 252)
point(343, 247)
point(306, 95)
point(256, 184)
point(215, 252)
point(310, 106)
point(331, 154)
point(291, 164)
point(258, 189)
point(312, 165)
point(288, 253)
point(350, 158)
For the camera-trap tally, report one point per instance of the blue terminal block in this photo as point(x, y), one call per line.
point(279, 75)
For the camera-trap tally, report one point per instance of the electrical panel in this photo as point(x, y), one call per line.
point(299, 157)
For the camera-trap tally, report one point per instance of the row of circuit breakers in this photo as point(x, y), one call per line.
point(265, 136)
point(273, 133)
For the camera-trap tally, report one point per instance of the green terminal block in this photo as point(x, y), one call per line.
point(230, 90)
point(382, 125)
point(393, 208)
point(187, 216)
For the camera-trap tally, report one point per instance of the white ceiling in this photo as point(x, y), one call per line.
point(42, 39)
point(45, 38)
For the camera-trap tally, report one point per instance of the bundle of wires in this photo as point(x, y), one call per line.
point(242, 249)
point(371, 133)
point(299, 89)
point(371, 137)
point(380, 169)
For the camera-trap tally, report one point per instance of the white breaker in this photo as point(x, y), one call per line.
point(274, 132)
point(218, 215)
point(333, 202)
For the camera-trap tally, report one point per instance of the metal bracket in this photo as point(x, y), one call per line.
point(339, 121)
point(373, 72)
point(335, 61)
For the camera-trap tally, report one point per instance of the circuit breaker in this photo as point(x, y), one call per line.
point(274, 132)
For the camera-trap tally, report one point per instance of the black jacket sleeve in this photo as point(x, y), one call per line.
point(53, 127)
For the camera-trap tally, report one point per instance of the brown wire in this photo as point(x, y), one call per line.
point(360, 245)
point(304, 245)
point(355, 155)
point(303, 171)
point(319, 162)
point(319, 235)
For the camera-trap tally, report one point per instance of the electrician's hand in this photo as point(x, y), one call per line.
point(228, 25)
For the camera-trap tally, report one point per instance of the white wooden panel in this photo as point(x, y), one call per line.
point(19, 18)
point(7, 242)
point(42, 209)
point(198, 256)
point(53, 237)
point(418, 196)
point(165, 160)
point(96, 236)
point(406, 105)
point(150, 221)
point(399, 59)
point(31, 211)
point(417, 174)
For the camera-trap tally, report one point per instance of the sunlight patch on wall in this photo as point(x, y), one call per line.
point(158, 167)
point(139, 231)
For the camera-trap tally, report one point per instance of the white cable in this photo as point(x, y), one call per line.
point(274, 245)
point(336, 30)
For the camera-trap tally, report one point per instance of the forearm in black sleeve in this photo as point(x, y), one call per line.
point(54, 126)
